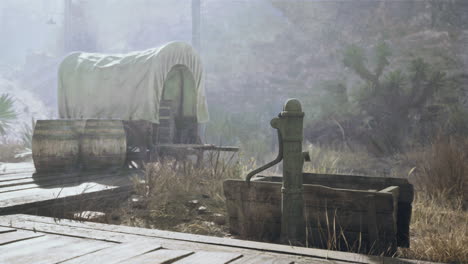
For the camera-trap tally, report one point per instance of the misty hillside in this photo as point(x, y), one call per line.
point(255, 53)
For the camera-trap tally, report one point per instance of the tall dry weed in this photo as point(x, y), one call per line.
point(173, 192)
point(439, 231)
point(442, 170)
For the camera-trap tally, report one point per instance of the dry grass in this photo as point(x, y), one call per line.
point(332, 236)
point(322, 160)
point(439, 231)
point(439, 224)
point(442, 170)
point(172, 193)
point(327, 160)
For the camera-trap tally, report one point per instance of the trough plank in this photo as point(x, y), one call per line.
point(160, 256)
point(372, 228)
point(332, 198)
point(116, 253)
point(354, 182)
point(272, 212)
point(395, 191)
point(11, 237)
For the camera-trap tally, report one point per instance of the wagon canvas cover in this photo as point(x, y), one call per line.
point(125, 86)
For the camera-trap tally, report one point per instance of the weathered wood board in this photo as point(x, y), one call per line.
point(24, 191)
point(65, 241)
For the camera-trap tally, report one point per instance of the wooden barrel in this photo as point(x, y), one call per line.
point(56, 145)
point(103, 144)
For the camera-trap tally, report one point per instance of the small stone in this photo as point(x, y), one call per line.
point(201, 210)
point(219, 219)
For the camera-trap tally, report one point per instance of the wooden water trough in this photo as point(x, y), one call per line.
point(342, 212)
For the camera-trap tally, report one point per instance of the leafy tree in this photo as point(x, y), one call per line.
point(7, 114)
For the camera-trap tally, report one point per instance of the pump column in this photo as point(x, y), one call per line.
point(290, 125)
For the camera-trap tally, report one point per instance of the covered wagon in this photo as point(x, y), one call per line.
point(117, 108)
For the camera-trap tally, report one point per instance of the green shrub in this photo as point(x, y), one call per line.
point(7, 114)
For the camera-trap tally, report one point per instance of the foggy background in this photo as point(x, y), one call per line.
point(256, 53)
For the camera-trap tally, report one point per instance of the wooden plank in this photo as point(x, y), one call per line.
point(206, 257)
point(205, 147)
point(372, 228)
point(30, 177)
point(159, 257)
point(117, 253)
point(343, 181)
point(354, 182)
point(48, 249)
point(353, 200)
point(11, 237)
point(45, 178)
point(403, 224)
point(36, 195)
point(48, 182)
point(73, 231)
point(391, 189)
point(13, 168)
point(6, 229)
point(271, 212)
point(185, 241)
point(63, 206)
point(258, 259)
point(15, 176)
point(395, 191)
point(129, 234)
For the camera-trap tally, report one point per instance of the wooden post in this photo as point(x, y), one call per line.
point(290, 125)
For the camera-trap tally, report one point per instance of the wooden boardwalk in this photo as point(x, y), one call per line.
point(36, 239)
point(24, 191)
